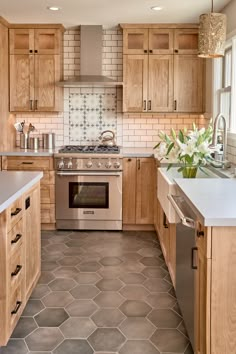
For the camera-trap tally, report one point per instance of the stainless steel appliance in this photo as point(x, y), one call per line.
point(89, 188)
point(185, 261)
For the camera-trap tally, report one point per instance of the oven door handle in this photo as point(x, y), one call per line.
point(107, 174)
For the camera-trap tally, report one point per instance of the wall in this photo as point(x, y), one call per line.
point(80, 125)
point(230, 11)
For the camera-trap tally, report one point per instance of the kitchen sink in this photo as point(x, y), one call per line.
point(166, 185)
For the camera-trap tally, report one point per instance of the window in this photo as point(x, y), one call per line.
point(225, 87)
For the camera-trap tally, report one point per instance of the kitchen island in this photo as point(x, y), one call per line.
point(19, 245)
point(213, 202)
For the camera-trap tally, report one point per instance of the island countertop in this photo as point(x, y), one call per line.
point(14, 183)
point(213, 200)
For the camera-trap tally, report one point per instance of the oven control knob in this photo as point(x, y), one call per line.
point(117, 164)
point(70, 165)
point(89, 164)
point(99, 165)
point(108, 164)
point(61, 164)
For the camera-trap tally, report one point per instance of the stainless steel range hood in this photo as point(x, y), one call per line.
point(90, 60)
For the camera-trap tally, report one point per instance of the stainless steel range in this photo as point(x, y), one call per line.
point(89, 187)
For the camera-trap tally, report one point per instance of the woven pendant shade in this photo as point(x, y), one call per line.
point(212, 35)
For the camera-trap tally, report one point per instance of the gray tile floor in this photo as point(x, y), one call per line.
point(101, 292)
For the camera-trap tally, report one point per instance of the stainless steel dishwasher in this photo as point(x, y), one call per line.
point(185, 261)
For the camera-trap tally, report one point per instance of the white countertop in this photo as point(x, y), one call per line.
point(137, 152)
point(213, 200)
point(14, 183)
point(28, 152)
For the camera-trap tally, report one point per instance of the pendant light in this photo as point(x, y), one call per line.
point(212, 34)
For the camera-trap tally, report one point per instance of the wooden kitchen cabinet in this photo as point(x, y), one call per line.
point(138, 192)
point(35, 67)
point(19, 258)
point(161, 69)
point(47, 198)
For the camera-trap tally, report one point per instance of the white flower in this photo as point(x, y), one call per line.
point(187, 149)
point(162, 150)
point(204, 148)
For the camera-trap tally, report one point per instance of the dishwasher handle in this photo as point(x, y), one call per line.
point(185, 220)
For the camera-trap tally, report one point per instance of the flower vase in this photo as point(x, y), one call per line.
point(189, 171)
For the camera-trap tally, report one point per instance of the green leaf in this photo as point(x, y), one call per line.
point(181, 136)
point(170, 148)
point(157, 145)
point(169, 166)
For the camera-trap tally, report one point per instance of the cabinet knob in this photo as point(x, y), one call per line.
point(145, 51)
point(176, 51)
point(31, 51)
point(36, 51)
point(200, 233)
point(150, 51)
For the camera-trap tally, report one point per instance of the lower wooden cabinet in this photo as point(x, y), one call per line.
point(19, 258)
point(39, 163)
point(138, 191)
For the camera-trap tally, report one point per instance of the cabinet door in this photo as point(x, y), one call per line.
point(186, 41)
point(21, 82)
point(188, 83)
point(32, 238)
point(160, 83)
point(21, 41)
point(47, 72)
point(161, 41)
point(129, 190)
point(47, 41)
point(145, 191)
point(135, 41)
point(135, 73)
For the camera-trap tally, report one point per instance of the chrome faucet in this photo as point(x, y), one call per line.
point(215, 132)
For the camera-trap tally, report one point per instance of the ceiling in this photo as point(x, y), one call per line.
point(108, 13)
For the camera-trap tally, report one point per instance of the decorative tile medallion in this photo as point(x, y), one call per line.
point(90, 114)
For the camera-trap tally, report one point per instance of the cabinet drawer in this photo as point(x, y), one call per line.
point(16, 306)
point(48, 213)
point(47, 194)
point(14, 213)
point(16, 268)
point(15, 236)
point(27, 163)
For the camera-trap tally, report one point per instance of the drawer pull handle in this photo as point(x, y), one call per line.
point(17, 270)
point(27, 163)
point(17, 211)
point(16, 239)
point(193, 250)
point(18, 305)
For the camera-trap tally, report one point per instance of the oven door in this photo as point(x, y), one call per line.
point(91, 196)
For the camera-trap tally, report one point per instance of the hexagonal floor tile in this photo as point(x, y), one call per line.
point(51, 317)
point(62, 284)
point(44, 339)
point(138, 347)
point(157, 285)
point(106, 339)
point(25, 326)
point(91, 266)
point(40, 291)
point(151, 261)
point(75, 243)
point(161, 300)
point(66, 272)
point(74, 346)
point(56, 248)
point(108, 318)
point(110, 261)
point(69, 261)
point(134, 292)
point(58, 299)
point(15, 346)
point(169, 340)
point(84, 292)
point(131, 266)
point(73, 251)
point(60, 239)
point(33, 307)
point(163, 318)
point(77, 327)
point(81, 308)
point(110, 272)
point(150, 252)
point(137, 328)
point(131, 256)
point(109, 284)
point(132, 278)
point(87, 278)
point(108, 299)
point(134, 308)
point(81, 235)
point(154, 272)
point(45, 277)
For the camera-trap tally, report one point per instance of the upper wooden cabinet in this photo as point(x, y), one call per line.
point(38, 41)
point(161, 71)
point(35, 67)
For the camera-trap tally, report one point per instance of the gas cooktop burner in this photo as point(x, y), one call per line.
point(91, 149)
